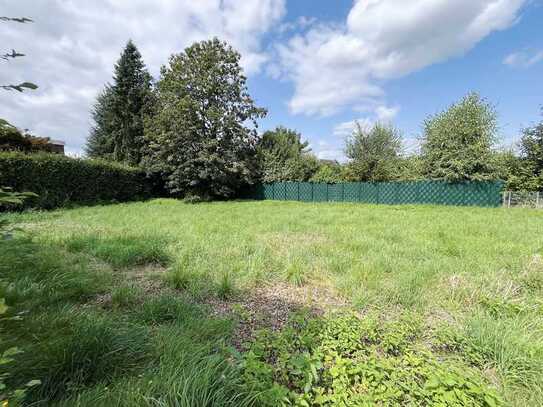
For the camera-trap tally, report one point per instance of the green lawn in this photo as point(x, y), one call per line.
point(142, 304)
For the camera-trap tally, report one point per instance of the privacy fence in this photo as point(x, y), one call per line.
point(416, 192)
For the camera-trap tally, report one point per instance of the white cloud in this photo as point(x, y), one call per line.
point(72, 46)
point(335, 66)
point(523, 59)
point(345, 129)
point(334, 154)
point(385, 113)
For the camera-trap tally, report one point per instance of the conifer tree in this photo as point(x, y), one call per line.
point(118, 113)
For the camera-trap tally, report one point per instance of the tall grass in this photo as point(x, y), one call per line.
point(442, 263)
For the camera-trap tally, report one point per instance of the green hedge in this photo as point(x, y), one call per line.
point(61, 180)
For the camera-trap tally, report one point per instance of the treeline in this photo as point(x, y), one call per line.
point(458, 144)
point(196, 129)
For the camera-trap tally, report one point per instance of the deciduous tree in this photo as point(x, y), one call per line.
point(457, 143)
point(373, 152)
point(283, 156)
point(202, 134)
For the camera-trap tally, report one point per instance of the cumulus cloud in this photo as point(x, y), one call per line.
point(386, 113)
point(72, 46)
point(345, 129)
point(523, 59)
point(334, 66)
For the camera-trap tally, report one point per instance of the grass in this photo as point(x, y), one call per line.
point(123, 282)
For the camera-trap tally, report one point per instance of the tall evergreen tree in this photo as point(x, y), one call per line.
point(119, 110)
point(100, 140)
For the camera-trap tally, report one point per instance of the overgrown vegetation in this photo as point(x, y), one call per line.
point(61, 181)
point(125, 304)
point(344, 360)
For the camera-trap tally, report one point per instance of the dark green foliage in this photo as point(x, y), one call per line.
point(457, 143)
point(516, 171)
point(60, 180)
point(284, 157)
point(531, 153)
point(198, 135)
point(374, 153)
point(100, 142)
point(118, 113)
point(344, 360)
point(85, 348)
point(328, 173)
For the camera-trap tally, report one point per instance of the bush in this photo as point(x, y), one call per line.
point(60, 180)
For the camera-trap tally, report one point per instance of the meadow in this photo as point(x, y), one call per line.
point(164, 303)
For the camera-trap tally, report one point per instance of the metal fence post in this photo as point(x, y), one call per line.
point(509, 200)
point(537, 200)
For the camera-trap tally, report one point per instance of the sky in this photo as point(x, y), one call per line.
point(316, 65)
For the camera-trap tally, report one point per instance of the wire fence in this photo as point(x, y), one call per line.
point(413, 192)
point(522, 199)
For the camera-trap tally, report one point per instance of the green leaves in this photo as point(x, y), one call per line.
point(119, 111)
point(374, 152)
point(345, 360)
point(56, 180)
point(457, 142)
point(201, 134)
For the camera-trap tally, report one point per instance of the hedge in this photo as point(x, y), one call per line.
point(61, 181)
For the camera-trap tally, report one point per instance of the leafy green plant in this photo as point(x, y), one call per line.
point(10, 396)
point(61, 180)
point(344, 360)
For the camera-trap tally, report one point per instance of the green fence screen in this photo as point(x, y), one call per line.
point(416, 192)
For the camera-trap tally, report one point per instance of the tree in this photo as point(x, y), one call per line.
point(531, 154)
point(100, 142)
point(118, 113)
point(14, 54)
point(457, 143)
point(329, 173)
point(374, 152)
point(202, 132)
point(283, 156)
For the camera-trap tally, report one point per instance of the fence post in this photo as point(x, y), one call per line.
point(312, 194)
point(327, 199)
point(509, 200)
point(298, 185)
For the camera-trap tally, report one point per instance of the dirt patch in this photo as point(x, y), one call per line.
point(270, 306)
point(148, 278)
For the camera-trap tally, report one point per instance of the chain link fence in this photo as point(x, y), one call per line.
point(522, 199)
point(412, 192)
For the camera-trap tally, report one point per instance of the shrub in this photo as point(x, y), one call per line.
point(60, 180)
point(344, 360)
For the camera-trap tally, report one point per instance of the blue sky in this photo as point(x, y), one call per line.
point(317, 65)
